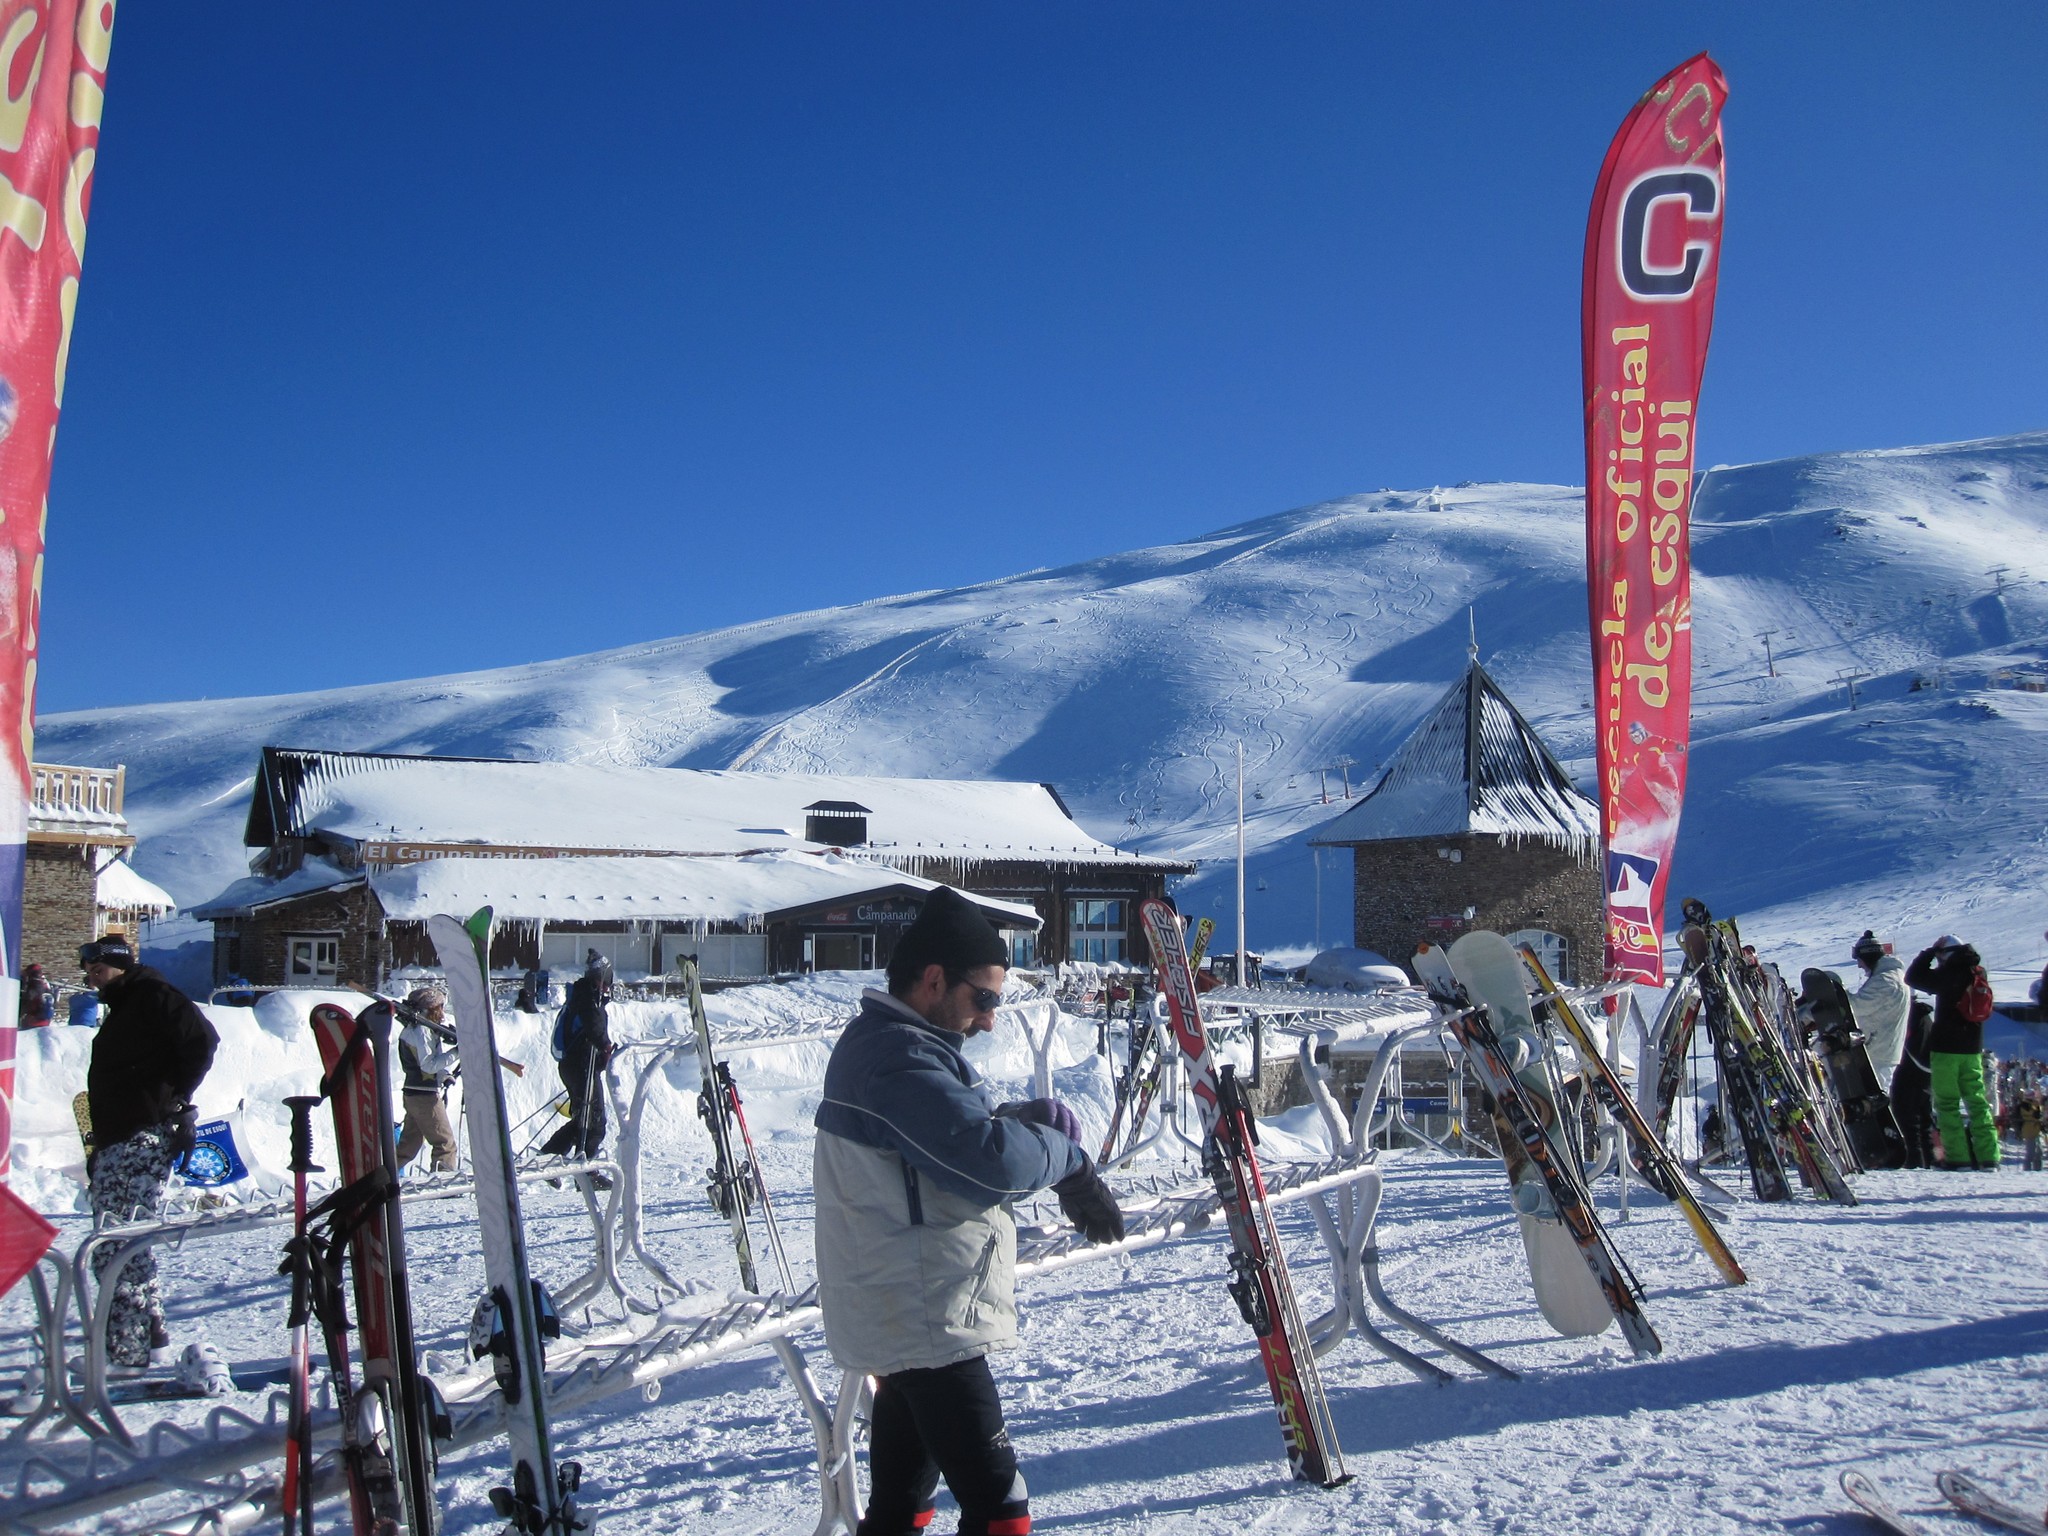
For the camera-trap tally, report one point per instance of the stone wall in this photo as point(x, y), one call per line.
point(255, 946)
point(1413, 889)
point(58, 912)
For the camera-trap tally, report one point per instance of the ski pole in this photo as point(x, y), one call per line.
point(298, 1458)
point(732, 1090)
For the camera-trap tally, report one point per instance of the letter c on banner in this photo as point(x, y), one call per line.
point(1701, 193)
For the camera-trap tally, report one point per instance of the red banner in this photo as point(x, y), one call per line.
point(24, 1237)
point(53, 77)
point(1653, 247)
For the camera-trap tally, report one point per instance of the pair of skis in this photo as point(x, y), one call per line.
point(734, 1181)
point(1139, 1084)
point(1259, 1282)
point(541, 1500)
point(390, 1413)
point(1771, 1106)
point(1966, 1494)
point(1651, 1158)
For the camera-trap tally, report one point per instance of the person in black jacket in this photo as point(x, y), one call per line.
point(1910, 1100)
point(584, 1029)
point(1955, 1054)
point(152, 1051)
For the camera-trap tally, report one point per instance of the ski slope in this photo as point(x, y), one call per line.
point(1317, 635)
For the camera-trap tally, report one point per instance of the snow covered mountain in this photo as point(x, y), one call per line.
point(1321, 634)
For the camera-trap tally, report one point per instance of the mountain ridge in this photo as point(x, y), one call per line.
point(1312, 634)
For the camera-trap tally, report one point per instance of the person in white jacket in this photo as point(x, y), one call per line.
point(429, 1059)
point(1881, 1004)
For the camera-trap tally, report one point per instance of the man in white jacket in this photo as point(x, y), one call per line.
point(1881, 1004)
point(915, 1169)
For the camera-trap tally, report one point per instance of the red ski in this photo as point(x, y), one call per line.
point(1259, 1283)
point(388, 1428)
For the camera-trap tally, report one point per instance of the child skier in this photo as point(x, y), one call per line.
point(2027, 1122)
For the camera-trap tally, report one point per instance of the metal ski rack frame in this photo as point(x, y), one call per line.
point(90, 1407)
point(656, 1340)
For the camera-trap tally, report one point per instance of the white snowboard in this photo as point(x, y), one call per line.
point(1566, 1292)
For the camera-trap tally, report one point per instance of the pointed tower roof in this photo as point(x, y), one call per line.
point(1473, 765)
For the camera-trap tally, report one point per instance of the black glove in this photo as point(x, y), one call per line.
point(184, 1132)
point(1089, 1205)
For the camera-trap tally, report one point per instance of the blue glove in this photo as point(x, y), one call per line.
point(1046, 1112)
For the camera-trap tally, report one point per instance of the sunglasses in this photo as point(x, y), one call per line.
point(984, 1000)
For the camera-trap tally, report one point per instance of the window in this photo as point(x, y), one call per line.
point(718, 954)
point(312, 957)
point(631, 954)
point(1095, 931)
point(1553, 949)
point(1023, 946)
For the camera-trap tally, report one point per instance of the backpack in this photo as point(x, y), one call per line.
point(1975, 1003)
point(568, 1025)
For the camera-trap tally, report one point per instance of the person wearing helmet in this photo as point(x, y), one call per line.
point(149, 1057)
point(429, 1059)
point(1947, 970)
point(1881, 1004)
point(583, 1046)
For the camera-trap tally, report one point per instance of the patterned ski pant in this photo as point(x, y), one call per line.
point(128, 1185)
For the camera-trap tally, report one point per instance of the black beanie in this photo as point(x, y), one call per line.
point(950, 931)
point(113, 950)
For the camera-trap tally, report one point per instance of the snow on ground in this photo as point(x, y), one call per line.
point(1903, 1336)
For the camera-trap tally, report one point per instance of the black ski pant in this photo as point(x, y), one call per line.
point(1913, 1104)
point(584, 1133)
point(945, 1421)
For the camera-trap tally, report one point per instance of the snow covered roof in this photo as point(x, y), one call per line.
point(386, 803)
point(715, 889)
point(120, 888)
point(253, 891)
point(1473, 765)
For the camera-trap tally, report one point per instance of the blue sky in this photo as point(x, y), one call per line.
point(420, 339)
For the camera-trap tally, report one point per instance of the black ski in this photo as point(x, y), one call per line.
point(734, 1181)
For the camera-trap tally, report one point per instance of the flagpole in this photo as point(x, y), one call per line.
point(1243, 950)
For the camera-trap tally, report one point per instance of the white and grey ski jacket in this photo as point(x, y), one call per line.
point(428, 1060)
point(1881, 1005)
point(914, 1172)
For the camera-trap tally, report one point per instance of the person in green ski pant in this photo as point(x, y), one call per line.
point(1955, 1054)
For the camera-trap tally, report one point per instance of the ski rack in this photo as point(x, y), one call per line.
point(658, 1340)
point(667, 1339)
point(89, 1406)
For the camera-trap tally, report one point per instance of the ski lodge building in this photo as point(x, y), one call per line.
point(77, 884)
point(756, 874)
point(1474, 825)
